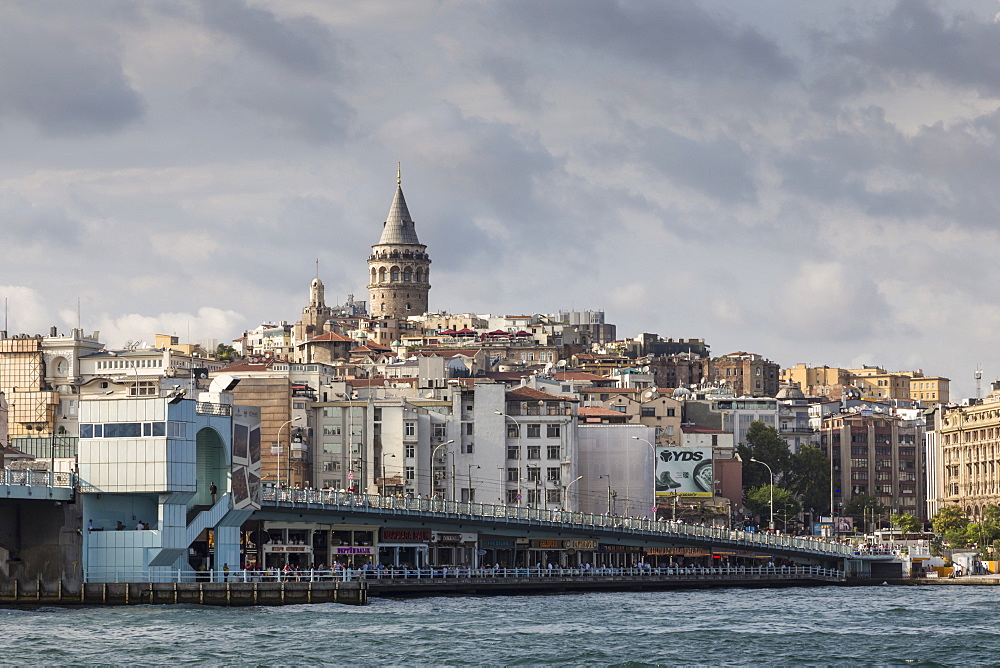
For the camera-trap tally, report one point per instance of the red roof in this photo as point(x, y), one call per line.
point(447, 332)
point(595, 411)
point(465, 331)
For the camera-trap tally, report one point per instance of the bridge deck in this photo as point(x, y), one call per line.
point(377, 509)
point(36, 485)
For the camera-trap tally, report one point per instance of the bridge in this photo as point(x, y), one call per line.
point(36, 485)
point(375, 510)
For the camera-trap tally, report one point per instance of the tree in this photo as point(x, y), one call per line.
point(764, 444)
point(224, 352)
point(809, 478)
point(862, 507)
point(906, 523)
point(758, 502)
point(950, 523)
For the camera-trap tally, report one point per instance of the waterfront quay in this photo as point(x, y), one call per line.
point(353, 587)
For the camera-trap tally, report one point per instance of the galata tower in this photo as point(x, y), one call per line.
point(398, 268)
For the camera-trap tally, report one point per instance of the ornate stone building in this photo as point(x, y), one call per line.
point(399, 267)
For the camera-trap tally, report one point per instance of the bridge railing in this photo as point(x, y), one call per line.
point(375, 502)
point(29, 478)
point(97, 575)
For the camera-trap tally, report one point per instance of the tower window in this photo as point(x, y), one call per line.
point(395, 274)
point(407, 275)
point(407, 306)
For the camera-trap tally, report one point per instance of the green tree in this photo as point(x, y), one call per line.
point(906, 523)
point(951, 523)
point(809, 478)
point(764, 444)
point(758, 502)
point(224, 352)
point(863, 508)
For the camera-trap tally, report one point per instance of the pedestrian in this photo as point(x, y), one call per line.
point(213, 490)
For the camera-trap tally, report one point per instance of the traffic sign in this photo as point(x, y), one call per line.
point(350, 476)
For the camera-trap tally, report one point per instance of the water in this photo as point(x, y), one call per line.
point(924, 626)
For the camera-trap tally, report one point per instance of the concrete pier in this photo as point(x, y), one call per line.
point(35, 592)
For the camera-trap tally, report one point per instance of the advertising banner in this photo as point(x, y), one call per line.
point(684, 472)
point(246, 457)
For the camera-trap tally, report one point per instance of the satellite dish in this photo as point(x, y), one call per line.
point(648, 394)
point(428, 395)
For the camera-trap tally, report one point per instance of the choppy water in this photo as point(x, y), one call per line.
point(823, 626)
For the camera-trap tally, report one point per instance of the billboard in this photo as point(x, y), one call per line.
point(684, 472)
point(246, 457)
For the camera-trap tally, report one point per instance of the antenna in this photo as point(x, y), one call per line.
point(979, 382)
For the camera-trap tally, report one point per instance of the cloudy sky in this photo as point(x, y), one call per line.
point(815, 182)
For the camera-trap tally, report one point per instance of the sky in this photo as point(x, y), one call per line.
point(813, 182)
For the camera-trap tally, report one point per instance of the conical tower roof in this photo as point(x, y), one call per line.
point(399, 228)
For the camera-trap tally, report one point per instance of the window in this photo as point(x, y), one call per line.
point(411, 450)
point(618, 407)
point(467, 448)
point(512, 430)
point(331, 430)
point(553, 430)
point(469, 428)
point(534, 452)
point(534, 431)
point(647, 412)
point(410, 472)
point(552, 452)
point(331, 466)
point(513, 452)
point(553, 496)
point(533, 497)
point(410, 428)
point(513, 475)
point(671, 412)
point(534, 474)
point(440, 430)
point(552, 474)
point(299, 405)
point(330, 448)
point(512, 495)
point(145, 388)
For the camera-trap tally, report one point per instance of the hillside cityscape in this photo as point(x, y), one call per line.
point(550, 411)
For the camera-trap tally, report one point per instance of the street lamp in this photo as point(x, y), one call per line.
point(771, 488)
point(384, 455)
point(471, 466)
point(566, 489)
point(652, 449)
point(294, 419)
point(611, 495)
point(433, 454)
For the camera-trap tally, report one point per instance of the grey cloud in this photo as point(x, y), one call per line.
point(65, 81)
point(300, 44)
point(681, 38)
point(915, 38)
point(718, 168)
point(514, 77)
point(27, 224)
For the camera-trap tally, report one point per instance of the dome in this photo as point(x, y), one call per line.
point(789, 392)
point(681, 393)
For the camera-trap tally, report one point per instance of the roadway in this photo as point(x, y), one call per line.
point(378, 511)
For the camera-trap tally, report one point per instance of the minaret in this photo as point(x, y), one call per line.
point(398, 268)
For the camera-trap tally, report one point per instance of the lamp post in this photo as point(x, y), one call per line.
point(384, 455)
point(771, 488)
point(611, 495)
point(566, 489)
point(433, 454)
point(518, 425)
point(652, 450)
point(471, 466)
point(294, 419)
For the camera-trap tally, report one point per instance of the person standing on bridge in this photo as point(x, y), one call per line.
point(213, 490)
